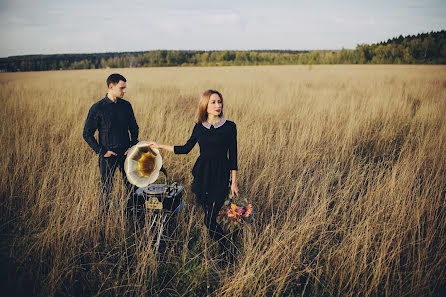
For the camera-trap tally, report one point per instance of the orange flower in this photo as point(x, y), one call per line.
point(230, 213)
point(248, 210)
point(234, 209)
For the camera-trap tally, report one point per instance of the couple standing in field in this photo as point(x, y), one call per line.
point(113, 117)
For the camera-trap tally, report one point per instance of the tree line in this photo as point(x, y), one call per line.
point(425, 48)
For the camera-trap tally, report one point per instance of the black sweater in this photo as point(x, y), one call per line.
point(214, 143)
point(113, 121)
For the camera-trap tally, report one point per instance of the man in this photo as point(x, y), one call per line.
point(113, 117)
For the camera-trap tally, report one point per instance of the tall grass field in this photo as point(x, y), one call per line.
point(345, 167)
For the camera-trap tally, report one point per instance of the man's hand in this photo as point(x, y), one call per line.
point(110, 153)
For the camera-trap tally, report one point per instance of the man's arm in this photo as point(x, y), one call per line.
point(133, 127)
point(91, 125)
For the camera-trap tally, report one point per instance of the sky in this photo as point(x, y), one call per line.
point(97, 26)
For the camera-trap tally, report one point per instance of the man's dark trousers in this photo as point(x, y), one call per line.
point(107, 168)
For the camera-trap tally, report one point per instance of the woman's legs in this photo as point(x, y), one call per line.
point(210, 220)
point(211, 204)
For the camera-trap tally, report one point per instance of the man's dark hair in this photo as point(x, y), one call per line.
point(115, 78)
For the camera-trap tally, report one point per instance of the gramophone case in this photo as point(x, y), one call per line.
point(167, 195)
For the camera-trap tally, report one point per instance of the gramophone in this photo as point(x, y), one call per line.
point(142, 166)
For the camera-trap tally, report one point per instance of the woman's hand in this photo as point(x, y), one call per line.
point(234, 189)
point(160, 146)
point(153, 144)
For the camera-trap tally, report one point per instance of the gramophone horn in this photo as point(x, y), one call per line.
point(142, 164)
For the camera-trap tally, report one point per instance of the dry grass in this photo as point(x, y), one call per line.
point(346, 166)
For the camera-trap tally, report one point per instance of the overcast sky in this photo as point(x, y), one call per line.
point(90, 26)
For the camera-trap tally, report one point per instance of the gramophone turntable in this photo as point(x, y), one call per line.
point(142, 167)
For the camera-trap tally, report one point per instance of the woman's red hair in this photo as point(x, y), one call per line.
point(203, 105)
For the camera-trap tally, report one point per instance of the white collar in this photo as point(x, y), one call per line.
point(216, 125)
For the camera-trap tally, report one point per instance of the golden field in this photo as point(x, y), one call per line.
point(345, 166)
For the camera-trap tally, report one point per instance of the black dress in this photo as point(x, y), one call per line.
point(218, 156)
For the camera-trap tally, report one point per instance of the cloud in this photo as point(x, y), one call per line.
point(353, 20)
point(339, 20)
point(51, 26)
point(180, 21)
point(56, 11)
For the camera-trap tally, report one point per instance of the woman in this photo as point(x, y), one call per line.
point(217, 138)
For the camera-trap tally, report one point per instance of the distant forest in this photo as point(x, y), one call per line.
point(426, 48)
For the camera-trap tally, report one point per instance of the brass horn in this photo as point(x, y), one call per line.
point(142, 164)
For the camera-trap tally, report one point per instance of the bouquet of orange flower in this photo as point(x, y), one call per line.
point(234, 212)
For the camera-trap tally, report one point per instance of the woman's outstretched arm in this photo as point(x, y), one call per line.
point(178, 149)
point(161, 146)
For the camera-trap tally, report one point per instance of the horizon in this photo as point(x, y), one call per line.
point(211, 50)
